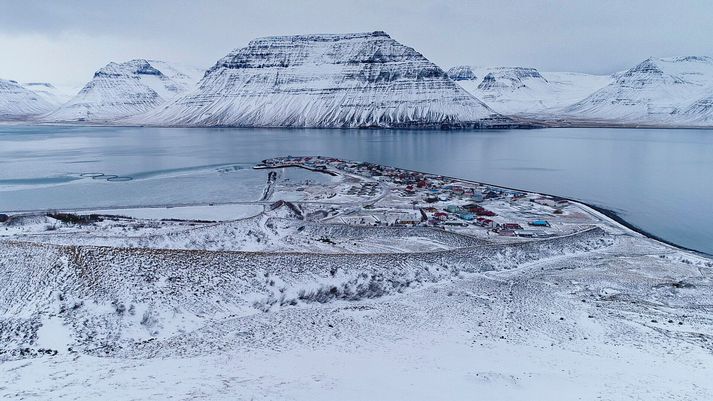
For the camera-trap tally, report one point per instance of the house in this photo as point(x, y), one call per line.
point(525, 233)
point(401, 222)
point(512, 226)
point(466, 216)
point(487, 223)
point(441, 216)
point(539, 223)
point(492, 195)
point(453, 209)
point(431, 199)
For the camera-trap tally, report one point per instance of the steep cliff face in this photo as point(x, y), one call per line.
point(124, 89)
point(509, 77)
point(350, 80)
point(668, 91)
point(18, 102)
point(523, 90)
point(463, 73)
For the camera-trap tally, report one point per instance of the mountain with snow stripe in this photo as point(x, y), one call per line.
point(330, 80)
point(120, 90)
point(20, 102)
point(523, 90)
point(675, 91)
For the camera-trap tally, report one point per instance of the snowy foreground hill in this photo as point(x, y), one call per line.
point(119, 90)
point(348, 292)
point(526, 91)
point(350, 80)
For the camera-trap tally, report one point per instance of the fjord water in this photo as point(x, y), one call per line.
point(659, 180)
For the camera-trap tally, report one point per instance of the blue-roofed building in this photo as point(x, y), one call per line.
point(453, 209)
point(540, 223)
point(467, 216)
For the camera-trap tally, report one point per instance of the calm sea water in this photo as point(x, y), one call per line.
point(659, 180)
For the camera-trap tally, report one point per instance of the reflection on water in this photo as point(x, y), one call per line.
point(659, 180)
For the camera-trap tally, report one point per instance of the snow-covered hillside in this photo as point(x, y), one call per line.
point(700, 112)
point(53, 94)
point(18, 102)
point(124, 89)
point(658, 91)
point(520, 90)
point(307, 300)
point(349, 80)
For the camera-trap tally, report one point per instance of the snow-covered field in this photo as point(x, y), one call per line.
point(293, 304)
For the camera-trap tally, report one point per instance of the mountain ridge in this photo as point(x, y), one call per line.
point(18, 102)
point(355, 80)
point(120, 90)
point(655, 91)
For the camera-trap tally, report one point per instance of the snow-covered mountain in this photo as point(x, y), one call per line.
point(666, 91)
point(51, 93)
point(699, 112)
point(521, 90)
point(124, 89)
point(18, 101)
point(331, 80)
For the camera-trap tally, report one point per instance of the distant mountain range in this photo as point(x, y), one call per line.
point(368, 80)
point(526, 91)
point(658, 91)
point(26, 101)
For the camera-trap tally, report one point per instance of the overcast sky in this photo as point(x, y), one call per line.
point(66, 41)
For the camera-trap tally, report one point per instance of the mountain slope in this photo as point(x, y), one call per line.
point(668, 91)
point(18, 102)
point(350, 80)
point(521, 90)
point(124, 89)
point(49, 92)
point(699, 112)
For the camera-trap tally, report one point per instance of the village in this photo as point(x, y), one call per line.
point(375, 195)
